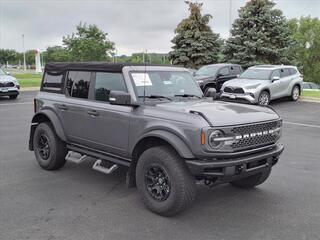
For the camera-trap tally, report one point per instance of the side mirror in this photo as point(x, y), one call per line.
point(211, 92)
point(119, 98)
point(276, 78)
point(8, 73)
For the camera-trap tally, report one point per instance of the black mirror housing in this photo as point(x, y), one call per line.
point(120, 98)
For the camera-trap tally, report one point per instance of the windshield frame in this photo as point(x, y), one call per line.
point(174, 98)
point(259, 69)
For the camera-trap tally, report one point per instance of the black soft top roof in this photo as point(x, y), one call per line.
point(90, 66)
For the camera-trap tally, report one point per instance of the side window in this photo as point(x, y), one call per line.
point(106, 82)
point(275, 73)
point(235, 70)
point(78, 84)
point(53, 81)
point(224, 71)
point(292, 71)
point(284, 72)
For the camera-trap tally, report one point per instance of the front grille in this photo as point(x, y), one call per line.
point(7, 84)
point(257, 140)
point(233, 90)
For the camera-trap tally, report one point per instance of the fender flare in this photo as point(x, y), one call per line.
point(176, 142)
point(54, 121)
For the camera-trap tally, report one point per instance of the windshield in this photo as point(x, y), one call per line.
point(207, 71)
point(259, 74)
point(165, 84)
point(2, 72)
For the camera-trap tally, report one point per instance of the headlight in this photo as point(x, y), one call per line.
point(199, 81)
point(214, 141)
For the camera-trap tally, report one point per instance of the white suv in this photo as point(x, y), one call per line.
point(262, 83)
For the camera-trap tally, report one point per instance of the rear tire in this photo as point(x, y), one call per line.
point(252, 181)
point(264, 98)
point(49, 150)
point(295, 93)
point(13, 96)
point(164, 181)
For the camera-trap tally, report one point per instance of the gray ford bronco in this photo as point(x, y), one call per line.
point(156, 122)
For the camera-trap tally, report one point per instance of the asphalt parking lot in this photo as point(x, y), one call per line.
point(80, 203)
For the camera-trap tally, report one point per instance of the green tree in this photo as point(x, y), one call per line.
point(8, 55)
point(194, 43)
point(89, 43)
point(56, 54)
point(260, 35)
point(306, 32)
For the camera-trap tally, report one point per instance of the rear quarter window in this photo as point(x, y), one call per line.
point(293, 71)
point(53, 82)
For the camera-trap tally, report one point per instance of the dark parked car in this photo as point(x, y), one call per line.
point(308, 86)
point(155, 121)
point(214, 75)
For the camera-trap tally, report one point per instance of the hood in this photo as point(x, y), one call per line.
point(7, 78)
point(219, 113)
point(245, 83)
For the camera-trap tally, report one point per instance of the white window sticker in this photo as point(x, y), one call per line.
point(141, 79)
point(167, 82)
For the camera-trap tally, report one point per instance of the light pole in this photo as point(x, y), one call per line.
point(24, 54)
point(230, 16)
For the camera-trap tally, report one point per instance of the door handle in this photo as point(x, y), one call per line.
point(93, 113)
point(62, 107)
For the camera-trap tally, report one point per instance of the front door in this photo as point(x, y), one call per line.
point(107, 125)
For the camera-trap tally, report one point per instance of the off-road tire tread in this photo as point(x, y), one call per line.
point(184, 195)
point(58, 149)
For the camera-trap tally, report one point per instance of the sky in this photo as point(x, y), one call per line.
point(134, 25)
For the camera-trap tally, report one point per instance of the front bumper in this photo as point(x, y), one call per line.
point(236, 97)
point(233, 168)
point(7, 91)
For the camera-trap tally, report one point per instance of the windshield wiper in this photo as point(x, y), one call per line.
point(155, 97)
point(187, 95)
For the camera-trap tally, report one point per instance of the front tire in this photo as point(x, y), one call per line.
point(164, 181)
point(295, 93)
point(49, 150)
point(252, 181)
point(264, 98)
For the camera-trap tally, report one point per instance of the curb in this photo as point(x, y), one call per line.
point(30, 89)
point(306, 99)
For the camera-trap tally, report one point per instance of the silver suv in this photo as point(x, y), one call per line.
point(155, 122)
point(260, 84)
point(9, 85)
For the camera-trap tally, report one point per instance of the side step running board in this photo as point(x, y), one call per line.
point(76, 157)
point(98, 167)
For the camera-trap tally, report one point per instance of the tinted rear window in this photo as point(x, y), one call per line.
point(284, 72)
point(292, 71)
point(78, 83)
point(52, 81)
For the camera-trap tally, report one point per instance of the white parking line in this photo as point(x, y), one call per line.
point(9, 104)
point(302, 124)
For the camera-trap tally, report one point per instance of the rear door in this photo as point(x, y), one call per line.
point(285, 79)
point(72, 111)
point(108, 125)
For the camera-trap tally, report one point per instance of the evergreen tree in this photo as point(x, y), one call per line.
point(194, 43)
point(260, 35)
